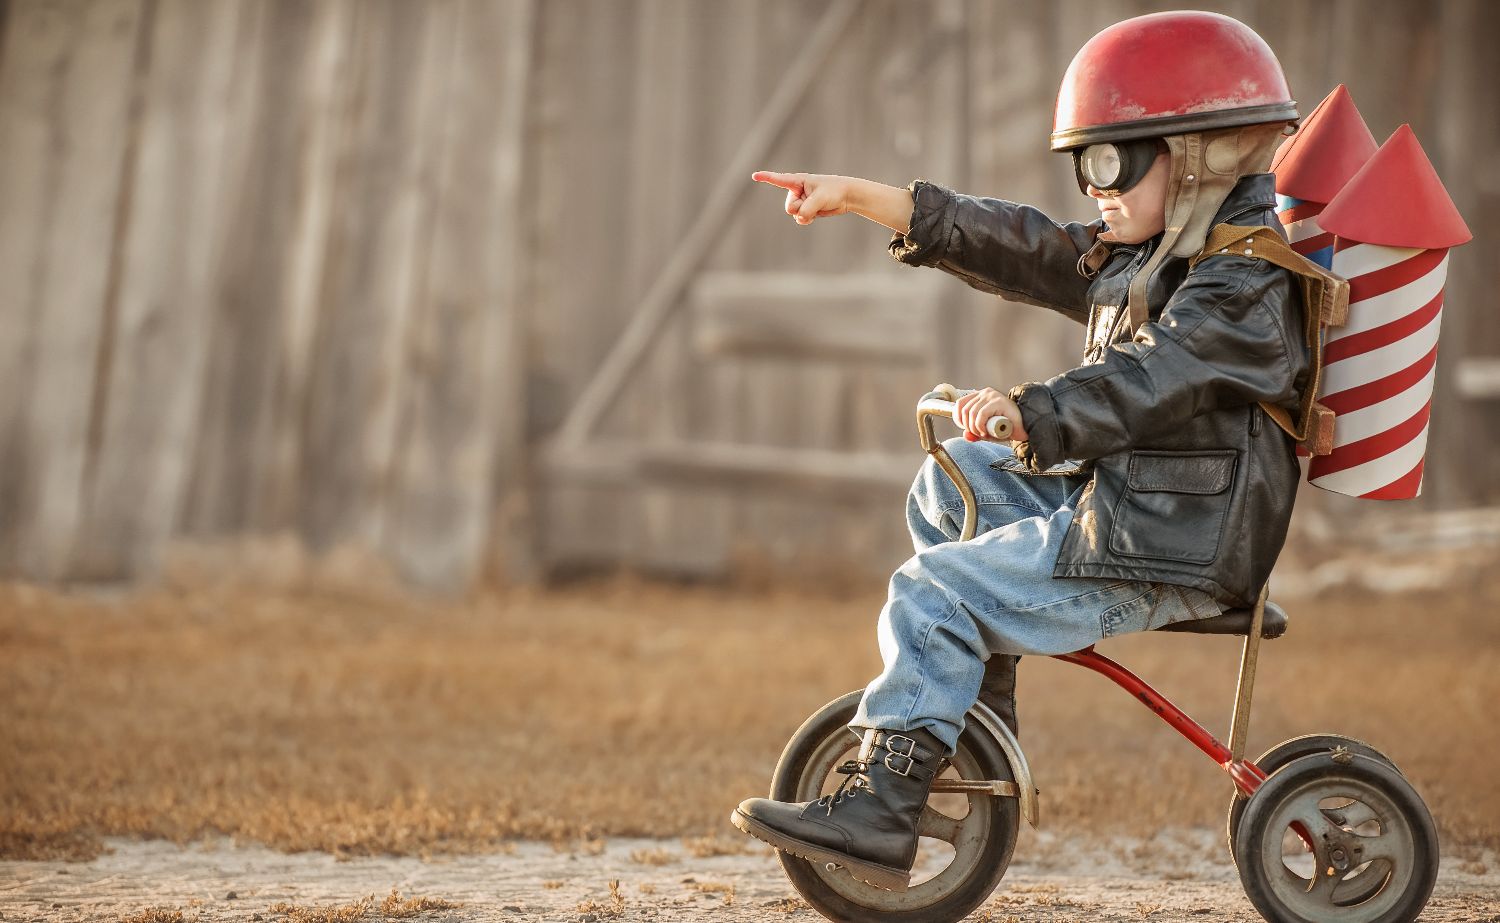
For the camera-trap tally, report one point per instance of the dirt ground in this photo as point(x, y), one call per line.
point(1176, 876)
point(161, 749)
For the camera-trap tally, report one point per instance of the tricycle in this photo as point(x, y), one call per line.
point(1321, 827)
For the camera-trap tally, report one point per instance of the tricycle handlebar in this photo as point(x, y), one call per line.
point(940, 402)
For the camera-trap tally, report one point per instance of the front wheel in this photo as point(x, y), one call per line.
point(1337, 838)
point(964, 841)
point(1288, 750)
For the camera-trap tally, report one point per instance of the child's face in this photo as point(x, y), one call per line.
point(1139, 213)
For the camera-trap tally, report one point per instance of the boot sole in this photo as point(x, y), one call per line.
point(871, 873)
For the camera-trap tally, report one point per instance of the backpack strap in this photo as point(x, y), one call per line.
point(1325, 299)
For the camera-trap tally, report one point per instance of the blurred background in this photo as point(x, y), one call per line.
point(335, 274)
point(467, 299)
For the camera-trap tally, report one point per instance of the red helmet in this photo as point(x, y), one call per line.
point(1166, 74)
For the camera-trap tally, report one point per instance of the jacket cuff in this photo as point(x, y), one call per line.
point(1043, 447)
point(931, 225)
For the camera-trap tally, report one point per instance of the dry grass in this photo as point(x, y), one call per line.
point(613, 906)
point(364, 724)
point(652, 856)
point(394, 907)
point(332, 913)
point(157, 915)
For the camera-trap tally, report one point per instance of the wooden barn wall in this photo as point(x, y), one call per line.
point(262, 274)
point(332, 269)
point(674, 95)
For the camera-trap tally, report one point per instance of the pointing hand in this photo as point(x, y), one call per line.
point(809, 196)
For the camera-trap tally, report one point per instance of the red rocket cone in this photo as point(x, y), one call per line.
point(1394, 223)
point(1313, 165)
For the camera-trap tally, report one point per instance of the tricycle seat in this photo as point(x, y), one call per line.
point(1235, 622)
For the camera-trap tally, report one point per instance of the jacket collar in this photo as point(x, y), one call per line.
point(1252, 191)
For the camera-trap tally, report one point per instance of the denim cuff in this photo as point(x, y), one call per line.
point(931, 224)
point(1043, 447)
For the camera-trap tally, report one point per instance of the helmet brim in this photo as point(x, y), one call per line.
point(1162, 126)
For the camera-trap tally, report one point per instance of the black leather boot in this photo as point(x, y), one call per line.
point(869, 825)
point(998, 688)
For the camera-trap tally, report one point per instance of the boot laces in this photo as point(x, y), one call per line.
point(855, 778)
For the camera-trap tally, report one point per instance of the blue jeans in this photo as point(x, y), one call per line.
point(954, 603)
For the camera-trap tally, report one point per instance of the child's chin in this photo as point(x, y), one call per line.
point(1114, 236)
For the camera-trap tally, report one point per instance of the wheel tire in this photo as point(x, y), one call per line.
point(1288, 750)
point(1295, 794)
point(852, 901)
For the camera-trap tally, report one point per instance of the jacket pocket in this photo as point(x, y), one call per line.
point(1067, 468)
point(1174, 505)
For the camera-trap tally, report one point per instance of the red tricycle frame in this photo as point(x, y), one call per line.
point(1246, 775)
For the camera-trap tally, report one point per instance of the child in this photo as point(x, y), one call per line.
point(1146, 485)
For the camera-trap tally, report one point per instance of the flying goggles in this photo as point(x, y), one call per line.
point(1114, 167)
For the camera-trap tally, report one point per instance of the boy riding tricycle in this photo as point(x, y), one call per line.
point(1149, 488)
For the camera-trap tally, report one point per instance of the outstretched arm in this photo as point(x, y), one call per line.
point(1000, 247)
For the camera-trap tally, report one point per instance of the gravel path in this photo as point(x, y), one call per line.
point(1179, 876)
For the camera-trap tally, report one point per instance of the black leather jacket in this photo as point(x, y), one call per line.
point(1192, 483)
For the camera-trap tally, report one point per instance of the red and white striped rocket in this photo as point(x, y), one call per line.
point(1394, 223)
point(1313, 165)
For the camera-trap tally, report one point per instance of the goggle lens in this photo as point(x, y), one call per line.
point(1101, 165)
point(1114, 168)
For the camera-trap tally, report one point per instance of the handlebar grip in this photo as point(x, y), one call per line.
point(998, 426)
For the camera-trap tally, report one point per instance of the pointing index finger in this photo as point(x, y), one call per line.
point(782, 180)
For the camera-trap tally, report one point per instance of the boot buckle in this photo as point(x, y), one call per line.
point(890, 750)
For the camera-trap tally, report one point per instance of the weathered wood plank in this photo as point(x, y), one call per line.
point(715, 404)
point(1467, 75)
point(147, 404)
point(661, 531)
point(289, 89)
point(374, 266)
point(510, 543)
point(464, 399)
point(583, 122)
point(68, 74)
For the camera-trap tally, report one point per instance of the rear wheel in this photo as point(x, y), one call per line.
point(1337, 837)
point(965, 840)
